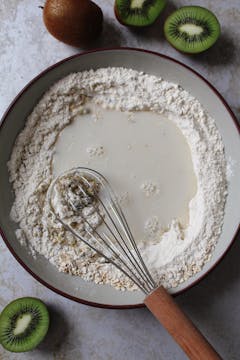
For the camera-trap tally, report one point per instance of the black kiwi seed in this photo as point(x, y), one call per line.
point(192, 29)
point(23, 324)
point(138, 13)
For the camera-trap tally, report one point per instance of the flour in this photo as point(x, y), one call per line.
point(231, 165)
point(149, 188)
point(95, 151)
point(123, 198)
point(152, 227)
point(173, 254)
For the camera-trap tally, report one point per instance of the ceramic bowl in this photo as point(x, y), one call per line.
point(149, 62)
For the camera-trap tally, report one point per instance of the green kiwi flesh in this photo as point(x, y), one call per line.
point(192, 29)
point(23, 324)
point(138, 12)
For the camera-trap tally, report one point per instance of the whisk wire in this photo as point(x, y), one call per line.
point(127, 230)
point(128, 251)
point(129, 236)
point(129, 273)
point(134, 279)
point(118, 256)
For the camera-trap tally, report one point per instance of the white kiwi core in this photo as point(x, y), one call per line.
point(137, 4)
point(191, 29)
point(22, 323)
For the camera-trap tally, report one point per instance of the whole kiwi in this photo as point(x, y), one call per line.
point(74, 22)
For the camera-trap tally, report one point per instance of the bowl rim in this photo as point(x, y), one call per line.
point(27, 86)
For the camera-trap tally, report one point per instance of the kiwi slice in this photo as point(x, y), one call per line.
point(23, 324)
point(192, 29)
point(138, 12)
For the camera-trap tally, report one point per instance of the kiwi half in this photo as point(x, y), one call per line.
point(192, 29)
point(23, 324)
point(138, 13)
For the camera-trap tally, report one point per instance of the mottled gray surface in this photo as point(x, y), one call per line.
point(78, 331)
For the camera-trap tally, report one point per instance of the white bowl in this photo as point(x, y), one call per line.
point(149, 62)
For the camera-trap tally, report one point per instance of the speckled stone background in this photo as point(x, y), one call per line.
point(85, 333)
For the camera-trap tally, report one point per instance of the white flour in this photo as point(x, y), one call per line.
point(173, 254)
point(95, 151)
point(149, 188)
point(231, 165)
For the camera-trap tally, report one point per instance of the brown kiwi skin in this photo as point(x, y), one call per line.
point(74, 22)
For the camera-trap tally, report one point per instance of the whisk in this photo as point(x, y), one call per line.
point(113, 240)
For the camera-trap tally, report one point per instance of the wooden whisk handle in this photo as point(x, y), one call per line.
point(193, 343)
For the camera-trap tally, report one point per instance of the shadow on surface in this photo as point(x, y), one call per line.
point(104, 40)
point(222, 53)
point(57, 333)
point(111, 36)
point(217, 283)
point(155, 31)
